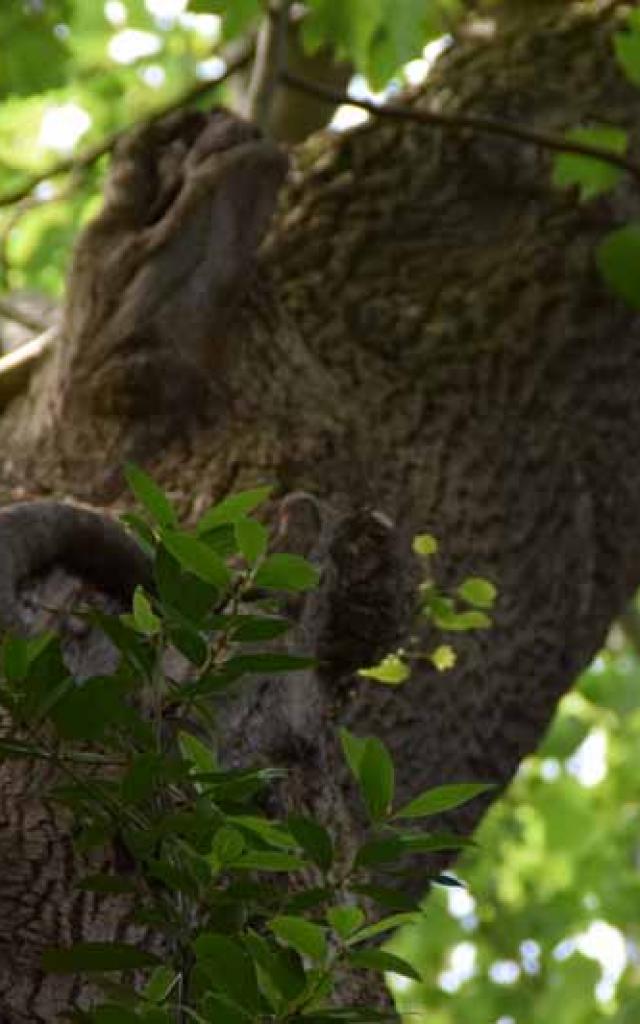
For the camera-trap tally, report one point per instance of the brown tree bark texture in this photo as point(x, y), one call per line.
point(422, 333)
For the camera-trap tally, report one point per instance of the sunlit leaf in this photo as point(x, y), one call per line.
point(443, 798)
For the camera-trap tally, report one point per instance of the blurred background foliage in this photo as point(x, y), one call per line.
point(547, 929)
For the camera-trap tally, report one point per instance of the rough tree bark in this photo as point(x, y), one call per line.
point(422, 333)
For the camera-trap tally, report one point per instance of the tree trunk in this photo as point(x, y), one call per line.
point(421, 341)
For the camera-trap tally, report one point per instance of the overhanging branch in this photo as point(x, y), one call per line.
point(486, 125)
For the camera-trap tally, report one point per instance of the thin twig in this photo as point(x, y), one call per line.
point(401, 112)
point(93, 153)
point(10, 312)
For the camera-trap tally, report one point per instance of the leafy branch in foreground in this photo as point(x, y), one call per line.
point(255, 919)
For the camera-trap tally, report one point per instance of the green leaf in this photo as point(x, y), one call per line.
point(189, 642)
point(247, 663)
point(228, 966)
point(181, 591)
point(477, 591)
point(380, 960)
point(15, 657)
point(443, 798)
point(424, 544)
point(107, 883)
point(618, 258)
point(391, 849)
point(345, 920)
point(443, 657)
point(249, 629)
point(391, 899)
point(233, 508)
point(141, 529)
point(592, 176)
point(160, 984)
point(307, 938)
point(150, 496)
point(228, 845)
point(96, 956)
point(251, 537)
point(201, 756)
point(353, 748)
point(387, 924)
point(627, 50)
point(270, 832)
point(376, 776)
point(392, 671)
point(270, 860)
point(346, 27)
point(314, 840)
point(197, 557)
point(282, 965)
point(88, 710)
point(145, 620)
point(286, 572)
point(444, 615)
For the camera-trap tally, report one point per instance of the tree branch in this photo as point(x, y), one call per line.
point(17, 367)
point(10, 312)
point(270, 60)
point(487, 125)
point(86, 159)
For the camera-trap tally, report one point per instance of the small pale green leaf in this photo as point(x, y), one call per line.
point(305, 937)
point(380, 960)
point(150, 496)
point(233, 508)
point(144, 619)
point(443, 798)
point(477, 591)
point(443, 657)
point(392, 671)
point(251, 537)
point(425, 544)
point(345, 920)
point(592, 176)
point(618, 258)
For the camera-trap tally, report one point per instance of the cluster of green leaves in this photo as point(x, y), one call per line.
point(467, 608)
point(618, 254)
point(556, 864)
point(199, 860)
point(377, 36)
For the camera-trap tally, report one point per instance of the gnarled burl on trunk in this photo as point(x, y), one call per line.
point(420, 333)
